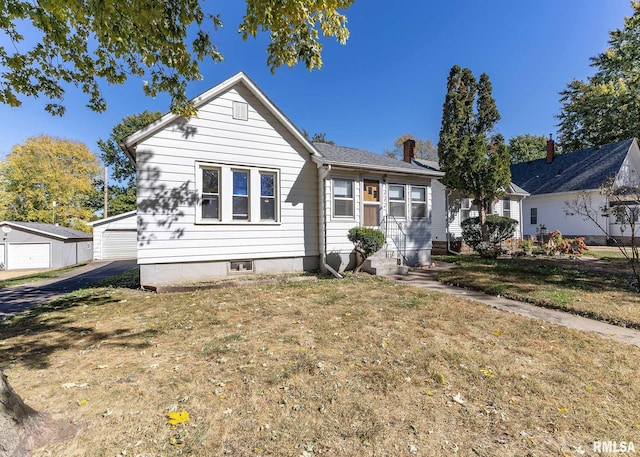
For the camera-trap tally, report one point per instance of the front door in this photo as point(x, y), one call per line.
point(371, 200)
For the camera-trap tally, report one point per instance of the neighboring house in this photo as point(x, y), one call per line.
point(450, 208)
point(237, 188)
point(33, 245)
point(115, 237)
point(557, 180)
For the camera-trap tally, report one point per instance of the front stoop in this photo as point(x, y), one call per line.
point(384, 263)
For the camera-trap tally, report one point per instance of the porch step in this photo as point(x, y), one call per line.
point(385, 263)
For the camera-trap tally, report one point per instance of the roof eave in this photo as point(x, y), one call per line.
point(396, 170)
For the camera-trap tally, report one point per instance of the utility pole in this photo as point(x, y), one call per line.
point(106, 192)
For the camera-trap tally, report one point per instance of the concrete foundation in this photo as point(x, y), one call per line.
point(154, 275)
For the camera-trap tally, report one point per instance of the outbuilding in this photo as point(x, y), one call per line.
point(115, 237)
point(34, 245)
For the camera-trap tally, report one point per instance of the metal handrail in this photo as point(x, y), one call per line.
point(393, 230)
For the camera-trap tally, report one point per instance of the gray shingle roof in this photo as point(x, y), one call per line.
point(50, 229)
point(360, 158)
point(573, 171)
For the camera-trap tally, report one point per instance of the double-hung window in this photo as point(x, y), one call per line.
point(210, 202)
point(232, 194)
point(418, 202)
point(397, 201)
point(465, 209)
point(343, 203)
point(534, 216)
point(267, 196)
point(506, 207)
point(240, 195)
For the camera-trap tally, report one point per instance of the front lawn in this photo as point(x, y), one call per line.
point(591, 288)
point(319, 367)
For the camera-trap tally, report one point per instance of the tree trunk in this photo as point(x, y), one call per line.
point(482, 216)
point(23, 429)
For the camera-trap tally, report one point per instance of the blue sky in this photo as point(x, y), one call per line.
point(390, 77)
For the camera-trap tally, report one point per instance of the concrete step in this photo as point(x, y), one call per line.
point(382, 263)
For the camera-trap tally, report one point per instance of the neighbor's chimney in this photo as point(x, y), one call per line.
point(409, 150)
point(551, 149)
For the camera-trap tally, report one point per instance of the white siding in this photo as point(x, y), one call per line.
point(126, 223)
point(441, 213)
point(551, 214)
point(418, 232)
point(167, 194)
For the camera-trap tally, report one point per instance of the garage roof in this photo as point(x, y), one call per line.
point(51, 230)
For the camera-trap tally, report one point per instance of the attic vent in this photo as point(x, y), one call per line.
point(241, 111)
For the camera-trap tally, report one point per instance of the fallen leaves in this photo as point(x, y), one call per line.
point(178, 417)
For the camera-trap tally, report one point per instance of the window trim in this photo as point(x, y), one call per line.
point(225, 189)
point(422, 202)
point(533, 216)
point(352, 199)
point(404, 201)
point(234, 195)
point(506, 208)
point(276, 206)
point(201, 196)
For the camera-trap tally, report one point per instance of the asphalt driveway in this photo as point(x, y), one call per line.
point(16, 299)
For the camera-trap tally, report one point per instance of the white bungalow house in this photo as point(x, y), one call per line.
point(557, 180)
point(450, 208)
point(237, 188)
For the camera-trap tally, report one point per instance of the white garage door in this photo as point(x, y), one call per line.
point(28, 255)
point(119, 244)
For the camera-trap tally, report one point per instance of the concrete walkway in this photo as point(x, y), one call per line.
point(425, 279)
point(19, 298)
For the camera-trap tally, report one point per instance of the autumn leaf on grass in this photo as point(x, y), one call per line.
point(178, 418)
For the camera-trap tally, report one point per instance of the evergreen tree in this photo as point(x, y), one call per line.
point(475, 163)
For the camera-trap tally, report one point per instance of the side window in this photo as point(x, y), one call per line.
point(465, 209)
point(397, 201)
point(268, 196)
point(343, 203)
point(534, 216)
point(210, 203)
point(506, 207)
point(418, 202)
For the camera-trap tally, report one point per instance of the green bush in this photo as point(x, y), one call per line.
point(499, 229)
point(367, 242)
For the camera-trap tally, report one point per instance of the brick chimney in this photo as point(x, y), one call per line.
point(409, 150)
point(551, 149)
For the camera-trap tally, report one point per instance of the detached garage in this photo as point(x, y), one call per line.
point(32, 245)
point(115, 237)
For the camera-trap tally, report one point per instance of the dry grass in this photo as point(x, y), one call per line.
point(594, 289)
point(344, 368)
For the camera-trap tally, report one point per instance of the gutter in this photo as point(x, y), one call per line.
point(322, 223)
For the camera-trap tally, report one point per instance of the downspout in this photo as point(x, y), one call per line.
point(446, 220)
point(521, 218)
point(322, 223)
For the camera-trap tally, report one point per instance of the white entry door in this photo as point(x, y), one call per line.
point(28, 255)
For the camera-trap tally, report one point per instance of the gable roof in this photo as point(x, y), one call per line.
point(360, 159)
point(51, 230)
point(129, 143)
point(573, 171)
point(116, 217)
